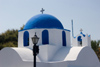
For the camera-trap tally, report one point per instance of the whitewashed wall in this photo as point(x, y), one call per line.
point(61, 57)
point(55, 37)
point(68, 40)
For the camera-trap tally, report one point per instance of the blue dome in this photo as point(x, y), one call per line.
point(43, 21)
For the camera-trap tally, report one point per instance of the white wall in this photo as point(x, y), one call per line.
point(86, 58)
point(47, 52)
point(63, 57)
point(68, 40)
point(20, 39)
point(55, 37)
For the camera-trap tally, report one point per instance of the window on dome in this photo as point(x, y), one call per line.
point(26, 38)
point(63, 38)
point(45, 37)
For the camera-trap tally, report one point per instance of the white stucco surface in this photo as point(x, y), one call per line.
point(50, 56)
point(55, 37)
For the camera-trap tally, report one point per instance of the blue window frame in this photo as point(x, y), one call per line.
point(63, 38)
point(26, 38)
point(45, 37)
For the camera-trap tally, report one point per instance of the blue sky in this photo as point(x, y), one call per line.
point(85, 14)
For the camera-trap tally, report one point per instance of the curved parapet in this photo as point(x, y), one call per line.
point(67, 54)
point(85, 58)
point(66, 57)
point(16, 57)
point(77, 57)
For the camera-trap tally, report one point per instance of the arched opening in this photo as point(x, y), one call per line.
point(26, 38)
point(45, 37)
point(79, 40)
point(63, 38)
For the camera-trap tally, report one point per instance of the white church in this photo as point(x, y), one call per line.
point(55, 48)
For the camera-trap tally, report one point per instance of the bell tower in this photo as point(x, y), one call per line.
point(81, 39)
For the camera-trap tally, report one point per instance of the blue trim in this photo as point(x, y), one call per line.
point(26, 38)
point(45, 37)
point(44, 28)
point(89, 35)
point(82, 34)
point(63, 38)
point(74, 37)
point(67, 30)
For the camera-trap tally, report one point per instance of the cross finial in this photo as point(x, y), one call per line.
point(81, 30)
point(42, 10)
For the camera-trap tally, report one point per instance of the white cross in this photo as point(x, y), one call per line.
point(81, 30)
point(42, 10)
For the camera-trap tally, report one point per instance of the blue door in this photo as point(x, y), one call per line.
point(26, 38)
point(63, 38)
point(45, 37)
